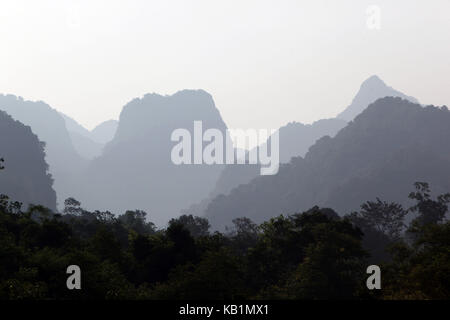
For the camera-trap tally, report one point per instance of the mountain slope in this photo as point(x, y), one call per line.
point(81, 139)
point(105, 131)
point(25, 178)
point(64, 162)
point(74, 126)
point(388, 147)
point(371, 89)
point(85, 146)
point(295, 139)
point(89, 144)
point(136, 170)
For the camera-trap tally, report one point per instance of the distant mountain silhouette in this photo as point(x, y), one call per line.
point(388, 147)
point(81, 139)
point(105, 131)
point(135, 170)
point(295, 139)
point(371, 89)
point(64, 162)
point(89, 144)
point(73, 126)
point(25, 178)
point(85, 146)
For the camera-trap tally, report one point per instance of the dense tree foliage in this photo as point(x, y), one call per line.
point(311, 255)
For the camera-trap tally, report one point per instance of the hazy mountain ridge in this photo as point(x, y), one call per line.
point(104, 132)
point(85, 146)
point(64, 162)
point(73, 126)
point(381, 153)
point(371, 89)
point(89, 144)
point(295, 138)
point(25, 177)
point(135, 169)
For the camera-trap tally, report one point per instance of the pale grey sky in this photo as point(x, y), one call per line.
point(265, 62)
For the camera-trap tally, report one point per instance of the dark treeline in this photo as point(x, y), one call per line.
point(311, 255)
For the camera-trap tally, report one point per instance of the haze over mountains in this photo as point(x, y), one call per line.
point(89, 144)
point(341, 162)
point(105, 131)
point(25, 177)
point(65, 164)
point(135, 170)
point(371, 89)
point(296, 138)
point(387, 148)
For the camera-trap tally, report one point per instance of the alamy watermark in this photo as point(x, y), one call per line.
point(74, 280)
point(373, 21)
point(212, 147)
point(374, 281)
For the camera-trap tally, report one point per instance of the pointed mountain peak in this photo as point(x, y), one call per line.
point(373, 81)
point(371, 90)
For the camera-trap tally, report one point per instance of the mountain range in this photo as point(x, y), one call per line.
point(381, 153)
point(89, 144)
point(338, 162)
point(65, 164)
point(135, 170)
point(296, 138)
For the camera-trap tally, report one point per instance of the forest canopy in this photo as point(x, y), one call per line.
point(310, 255)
